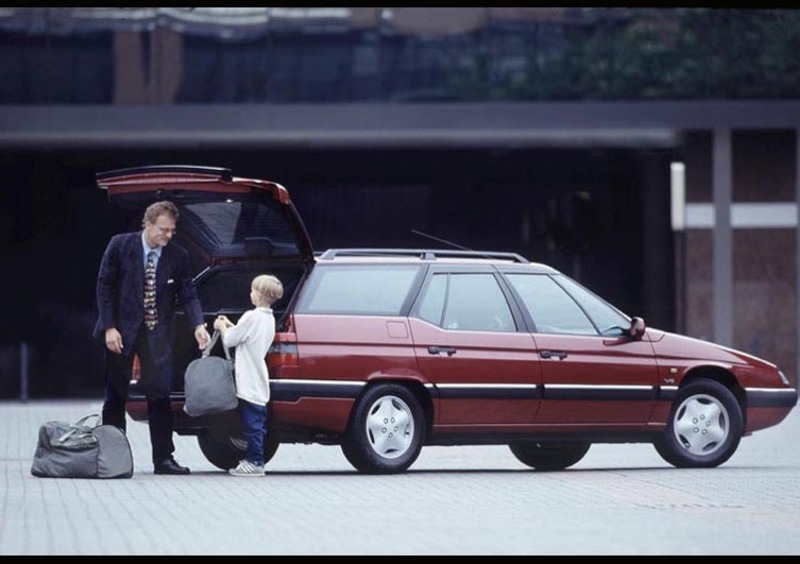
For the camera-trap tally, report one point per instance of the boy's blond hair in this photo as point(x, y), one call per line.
point(268, 286)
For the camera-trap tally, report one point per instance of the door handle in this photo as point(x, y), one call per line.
point(436, 350)
point(560, 355)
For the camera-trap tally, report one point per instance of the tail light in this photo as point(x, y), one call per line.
point(283, 352)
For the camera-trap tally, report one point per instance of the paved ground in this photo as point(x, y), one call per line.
point(620, 500)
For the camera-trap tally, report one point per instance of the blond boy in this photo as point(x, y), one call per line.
point(252, 336)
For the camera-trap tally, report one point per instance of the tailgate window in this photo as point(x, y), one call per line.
point(238, 229)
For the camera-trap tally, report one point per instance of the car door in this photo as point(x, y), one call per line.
point(593, 372)
point(471, 345)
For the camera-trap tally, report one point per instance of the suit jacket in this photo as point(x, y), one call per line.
point(120, 287)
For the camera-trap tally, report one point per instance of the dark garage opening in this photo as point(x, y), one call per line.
point(599, 215)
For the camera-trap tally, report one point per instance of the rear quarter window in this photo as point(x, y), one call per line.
point(358, 290)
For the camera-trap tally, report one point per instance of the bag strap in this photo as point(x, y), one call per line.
point(214, 338)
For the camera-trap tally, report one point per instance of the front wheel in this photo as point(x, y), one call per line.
point(704, 428)
point(225, 447)
point(385, 432)
point(549, 455)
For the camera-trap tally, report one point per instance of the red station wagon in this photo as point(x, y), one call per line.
point(384, 351)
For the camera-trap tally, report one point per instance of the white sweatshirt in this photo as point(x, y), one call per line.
point(252, 337)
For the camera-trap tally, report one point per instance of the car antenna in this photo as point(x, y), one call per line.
point(415, 232)
point(485, 255)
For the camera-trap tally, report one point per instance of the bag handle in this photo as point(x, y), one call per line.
point(212, 342)
point(80, 425)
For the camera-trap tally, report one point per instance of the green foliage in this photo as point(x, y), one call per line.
point(657, 53)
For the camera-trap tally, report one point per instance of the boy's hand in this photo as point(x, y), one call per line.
point(222, 322)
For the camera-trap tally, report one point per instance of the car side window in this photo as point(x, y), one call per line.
point(549, 305)
point(608, 319)
point(466, 302)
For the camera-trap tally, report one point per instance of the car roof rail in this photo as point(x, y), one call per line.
point(423, 254)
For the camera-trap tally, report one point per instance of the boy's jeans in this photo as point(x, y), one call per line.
point(254, 419)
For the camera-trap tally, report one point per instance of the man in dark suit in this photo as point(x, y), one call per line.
point(134, 318)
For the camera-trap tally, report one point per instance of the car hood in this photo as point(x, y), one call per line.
point(225, 217)
point(672, 345)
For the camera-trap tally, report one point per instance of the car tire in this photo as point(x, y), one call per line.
point(704, 428)
point(385, 432)
point(549, 455)
point(225, 447)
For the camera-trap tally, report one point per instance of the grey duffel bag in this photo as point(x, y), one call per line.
point(208, 383)
point(84, 449)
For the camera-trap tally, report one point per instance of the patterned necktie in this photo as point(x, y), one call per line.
point(150, 314)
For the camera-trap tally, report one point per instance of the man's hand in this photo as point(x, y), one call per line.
point(113, 340)
point(201, 335)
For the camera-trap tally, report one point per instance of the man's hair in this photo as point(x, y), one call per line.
point(268, 286)
point(160, 208)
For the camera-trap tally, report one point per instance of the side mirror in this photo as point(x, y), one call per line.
point(637, 328)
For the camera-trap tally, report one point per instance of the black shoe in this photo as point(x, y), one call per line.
point(169, 466)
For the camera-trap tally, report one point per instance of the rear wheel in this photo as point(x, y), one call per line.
point(385, 432)
point(549, 455)
point(225, 447)
point(704, 428)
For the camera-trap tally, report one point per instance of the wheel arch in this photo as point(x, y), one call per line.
point(416, 387)
point(722, 376)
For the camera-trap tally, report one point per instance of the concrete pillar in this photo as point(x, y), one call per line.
point(797, 243)
point(722, 244)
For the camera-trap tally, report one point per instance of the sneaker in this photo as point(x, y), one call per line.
point(246, 468)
